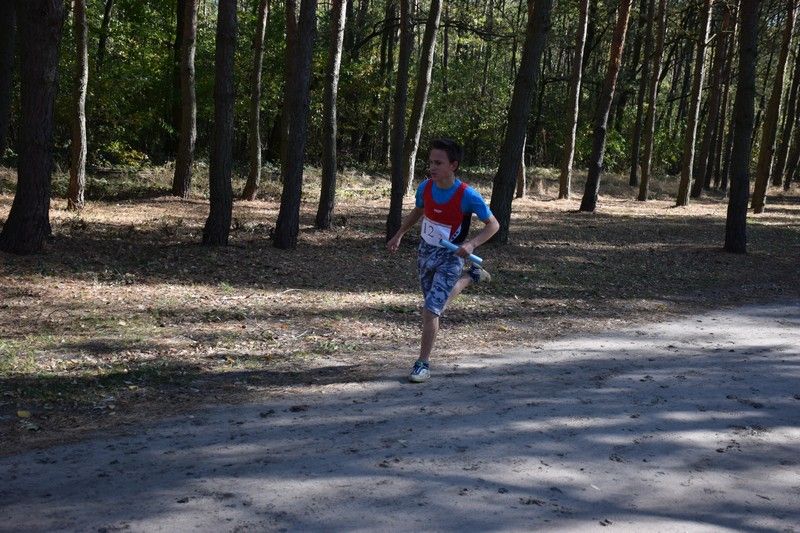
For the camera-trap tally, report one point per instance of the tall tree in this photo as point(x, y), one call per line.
point(327, 195)
point(182, 180)
point(589, 200)
point(714, 97)
point(394, 219)
point(102, 42)
point(505, 179)
point(297, 96)
point(645, 34)
point(421, 92)
point(565, 178)
point(218, 223)
point(254, 137)
point(770, 126)
point(77, 168)
point(8, 27)
point(786, 135)
point(40, 24)
point(648, 130)
point(736, 221)
point(690, 135)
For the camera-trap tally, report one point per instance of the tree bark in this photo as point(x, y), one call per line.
point(736, 221)
point(522, 182)
point(182, 180)
point(287, 227)
point(394, 219)
point(791, 110)
point(504, 184)
point(389, 72)
point(218, 223)
point(254, 138)
point(770, 125)
point(727, 104)
point(421, 93)
point(77, 169)
point(565, 178)
point(704, 157)
point(636, 137)
point(104, 28)
point(589, 200)
point(40, 24)
point(690, 136)
point(8, 27)
point(652, 97)
point(327, 195)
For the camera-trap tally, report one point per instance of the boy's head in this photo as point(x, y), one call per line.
point(453, 150)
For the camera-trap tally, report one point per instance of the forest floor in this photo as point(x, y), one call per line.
point(126, 319)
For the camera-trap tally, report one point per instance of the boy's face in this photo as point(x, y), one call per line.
point(439, 165)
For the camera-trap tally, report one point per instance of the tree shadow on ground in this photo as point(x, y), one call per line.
point(684, 425)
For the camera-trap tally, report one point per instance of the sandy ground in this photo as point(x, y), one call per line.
point(691, 425)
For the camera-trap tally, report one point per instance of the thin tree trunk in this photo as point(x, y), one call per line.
point(652, 97)
point(40, 24)
point(589, 200)
point(182, 180)
point(690, 136)
point(727, 103)
point(636, 138)
point(786, 135)
point(446, 48)
point(792, 171)
point(77, 169)
point(327, 195)
point(421, 93)
point(172, 141)
point(387, 103)
point(704, 157)
point(770, 126)
point(522, 182)
point(394, 219)
point(218, 223)
point(254, 138)
point(104, 27)
point(736, 221)
point(537, 30)
point(8, 27)
point(287, 227)
point(565, 179)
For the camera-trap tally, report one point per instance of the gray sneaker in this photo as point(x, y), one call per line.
point(478, 274)
point(420, 372)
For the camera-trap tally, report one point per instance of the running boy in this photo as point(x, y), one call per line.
point(445, 204)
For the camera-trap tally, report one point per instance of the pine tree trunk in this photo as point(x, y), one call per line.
point(770, 126)
point(327, 195)
point(736, 221)
point(218, 223)
point(395, 217)
point(565, 178)
point(287, 227)
point(77, 169)
point(690, 136)
point(391, 32)
point(39, 26)
point(254, 137)
point(522, 182)
point(645, 32)
point(715, 94)
point(104, 27)
point(527, 79)
point(8, 27)
point(182, 180)
point(791, 110)
point(792, 171)
point(171, 141)
point(652, 97)
point(726, 126)
point(589, 200)
point(421, 93)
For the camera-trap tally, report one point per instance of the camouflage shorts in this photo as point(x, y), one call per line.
point(439, 270)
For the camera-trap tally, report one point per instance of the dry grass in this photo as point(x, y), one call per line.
point(125, 317)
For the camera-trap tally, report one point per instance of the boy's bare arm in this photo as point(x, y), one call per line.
point(408, 222)
point(491, 227)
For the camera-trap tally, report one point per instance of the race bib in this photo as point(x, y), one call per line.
point(432, 231)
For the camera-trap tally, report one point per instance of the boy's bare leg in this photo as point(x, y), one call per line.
point(430, 322)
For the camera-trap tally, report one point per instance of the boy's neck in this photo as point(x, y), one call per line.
point(446, 182)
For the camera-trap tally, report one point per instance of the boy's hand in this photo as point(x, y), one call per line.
point(394, 243)
point(465, 249)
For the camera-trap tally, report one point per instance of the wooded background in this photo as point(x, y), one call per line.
point(152, 82)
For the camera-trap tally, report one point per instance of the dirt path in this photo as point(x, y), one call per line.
point(688, 425)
